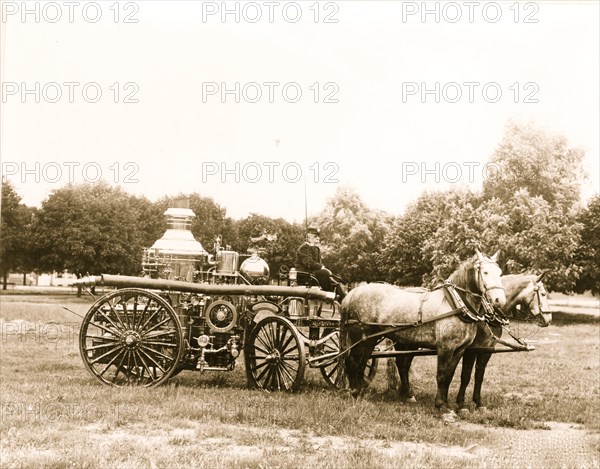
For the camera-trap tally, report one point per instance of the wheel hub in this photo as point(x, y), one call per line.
point(131, 339)
point(273, 357)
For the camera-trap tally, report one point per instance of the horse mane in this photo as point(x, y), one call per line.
point(464, 275)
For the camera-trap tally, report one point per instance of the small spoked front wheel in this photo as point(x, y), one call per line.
point(275, 355)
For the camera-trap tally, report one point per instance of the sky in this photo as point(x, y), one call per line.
point(260, 105)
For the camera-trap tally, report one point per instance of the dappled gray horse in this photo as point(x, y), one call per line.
point(526, 299)
point(413, 320)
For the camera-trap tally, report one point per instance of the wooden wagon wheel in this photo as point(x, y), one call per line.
point(333, 373)
point(131, 337)
point(275, 355)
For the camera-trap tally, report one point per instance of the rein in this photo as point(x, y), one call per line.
point(521, 344)
point(494, 315)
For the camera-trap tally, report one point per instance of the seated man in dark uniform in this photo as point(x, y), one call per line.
point(309, 260)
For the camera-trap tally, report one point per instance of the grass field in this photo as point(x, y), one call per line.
point(543, 408)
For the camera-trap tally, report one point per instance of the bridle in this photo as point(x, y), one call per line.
point(481, 280)
point(539, 291)
point(495, 316)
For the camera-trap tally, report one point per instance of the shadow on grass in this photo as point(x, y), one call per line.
point(567, 319)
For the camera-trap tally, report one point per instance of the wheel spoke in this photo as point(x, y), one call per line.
point(135, 367)
point(269, 336)
point(145, 310)
point(265, 371)
point(108, 365)
point(285, 367)
point(261, 349)
point(150, 318)
point(114, 380)
point(283, 348)
point(154, 362)
point(155, 335)
point(97, 359)
point(161, 344)
point(277, 378)
point(148, 350)
point(261, 365)
point(96, 347)
point(116, 329)
point(273, 379)
point(277, 335)
point(145, 365)
point(157, 325)
point(262, 341)
point(330, 373)
point(102, 337)
point(116, 315)
point(110, 321)
point(135, 304)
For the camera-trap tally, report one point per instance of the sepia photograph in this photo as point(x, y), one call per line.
point(300, 234)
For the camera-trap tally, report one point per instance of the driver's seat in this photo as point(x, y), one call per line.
point(306, 279)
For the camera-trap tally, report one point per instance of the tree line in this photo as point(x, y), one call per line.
point(529, 209)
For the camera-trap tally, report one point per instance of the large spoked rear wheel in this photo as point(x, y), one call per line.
point(131, 337)
point(275, 355)
point(334, 373)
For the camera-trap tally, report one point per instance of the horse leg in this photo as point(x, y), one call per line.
point(468, 361)
point(352, 364)
point(356, 363)
point(403, 363)
point(349, 338)
point(482, 361)
point(446, 366)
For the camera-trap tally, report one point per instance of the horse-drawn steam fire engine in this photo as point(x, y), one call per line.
point(192, 310)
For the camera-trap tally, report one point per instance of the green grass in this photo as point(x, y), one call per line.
point(54, 414)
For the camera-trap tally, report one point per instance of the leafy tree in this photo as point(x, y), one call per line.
point(469, 223)
point(93, 229)
point(402, 256)
point(543, 163)
point(588, 251)
point(541, 238)
point(530, 235)
point(352, 236)
point(15, 233)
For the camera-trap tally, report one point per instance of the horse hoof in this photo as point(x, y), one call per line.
point(463, 412)
point(482, 409)
point(411, 400)
point(449, 417)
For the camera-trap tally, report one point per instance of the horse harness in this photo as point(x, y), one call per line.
point(450, 293)
point(498, 318)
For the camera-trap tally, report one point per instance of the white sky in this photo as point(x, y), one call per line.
point(373, 136)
